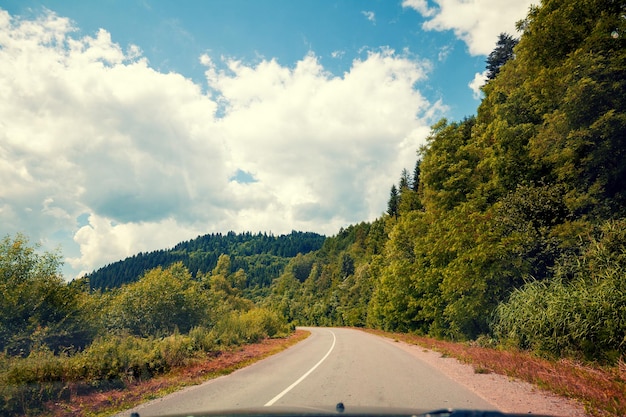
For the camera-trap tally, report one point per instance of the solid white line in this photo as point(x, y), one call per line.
point(292, 386)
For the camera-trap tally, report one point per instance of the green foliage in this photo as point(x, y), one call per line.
point(498, 200)
point(142, 329)
point(109, 362)
point(448, 166)
point(161, 302)
point(27, 383)
point(394, 202)
point(262, 257)
point(37, 308)
point(238, 328)
point(114, 360)
point(582, 311)
point(500, 55)
point(511, 227)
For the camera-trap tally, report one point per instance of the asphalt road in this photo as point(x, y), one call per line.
point(330, 366)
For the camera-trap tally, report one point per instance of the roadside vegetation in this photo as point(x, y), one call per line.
point(510, 231)
point(62, 340)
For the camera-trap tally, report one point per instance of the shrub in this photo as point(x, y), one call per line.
point(249, 327)
point(582, 312)
point(202, 339)
point(27, 383)
point(158, 304)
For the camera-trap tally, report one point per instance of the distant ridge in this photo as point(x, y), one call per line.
point(262, 256)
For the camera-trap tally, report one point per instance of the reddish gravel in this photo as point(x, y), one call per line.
point(520, 381)
point(214, 365)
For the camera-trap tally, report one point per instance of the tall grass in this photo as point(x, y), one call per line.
point(566, 319)
point(115, 361)
point(580, 314)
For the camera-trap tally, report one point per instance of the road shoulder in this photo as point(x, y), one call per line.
point(505, 393)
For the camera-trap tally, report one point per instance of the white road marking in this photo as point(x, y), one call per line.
point(292, 386)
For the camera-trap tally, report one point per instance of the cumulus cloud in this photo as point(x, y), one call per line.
point(420, 5)
point(477, 22)
point(480, 78)
point(104, 240)
point(88, 130)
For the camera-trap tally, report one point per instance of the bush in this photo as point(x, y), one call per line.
point(579, 313)
point(37, 307)
point(129, 357)
point(160, 303)
point(27, 383)
point(237, 328)
point(202, 339)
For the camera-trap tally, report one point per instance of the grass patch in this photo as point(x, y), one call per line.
point(481, 370)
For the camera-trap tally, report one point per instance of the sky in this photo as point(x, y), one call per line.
point(128, 126)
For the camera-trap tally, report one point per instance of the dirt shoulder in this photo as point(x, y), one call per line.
point(505, 393)
point(521, 382)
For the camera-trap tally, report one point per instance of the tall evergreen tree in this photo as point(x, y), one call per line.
point(405, 180)
point(500, 55)
point(394, 201)
point(416, 176)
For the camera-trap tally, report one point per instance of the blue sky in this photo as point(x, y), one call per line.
point(172, 35)
point(129, 126)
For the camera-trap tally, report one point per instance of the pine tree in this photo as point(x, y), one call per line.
point(394, 201)
point(416, 176)
point(405, 180)
point(500, 55)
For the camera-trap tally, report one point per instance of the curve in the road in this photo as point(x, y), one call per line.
point(303, 377)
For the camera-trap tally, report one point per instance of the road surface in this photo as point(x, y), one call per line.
point(330, 366)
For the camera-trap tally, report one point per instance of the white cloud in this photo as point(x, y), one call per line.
point(369, 15)
point(477, 22)
point(90, 131)
point(420, 5)
point(103, 240)
point(480, 78)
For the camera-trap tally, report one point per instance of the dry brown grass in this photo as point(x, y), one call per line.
point(601, 389)
point(135, 393)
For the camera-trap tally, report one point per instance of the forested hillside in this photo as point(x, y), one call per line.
point(261, 256)
point(512, 224)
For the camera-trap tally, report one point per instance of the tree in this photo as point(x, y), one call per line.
point(405, 180)
point(394, 202)
point(416, 176)
point(161, 302)
point(500, 55)
point(301, 267)
point(347, 265)
point(448, 168)
point(37, 307)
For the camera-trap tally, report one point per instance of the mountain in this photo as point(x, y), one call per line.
point(261, 256)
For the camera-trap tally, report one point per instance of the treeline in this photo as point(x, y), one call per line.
point(59, 339)
point(261, 256)
point(512, 226)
